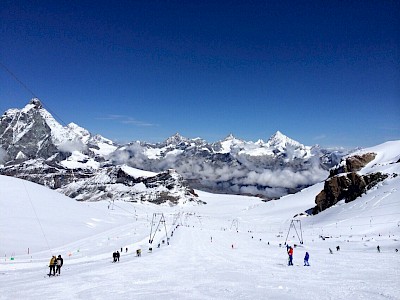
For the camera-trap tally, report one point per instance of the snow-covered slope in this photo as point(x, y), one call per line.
point(387, 155)
point(227, 249)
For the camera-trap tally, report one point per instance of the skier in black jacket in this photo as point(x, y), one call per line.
point(60, 262)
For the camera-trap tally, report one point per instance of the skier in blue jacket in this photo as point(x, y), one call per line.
point(306, 257)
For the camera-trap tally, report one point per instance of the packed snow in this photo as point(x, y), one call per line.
point(233, 247)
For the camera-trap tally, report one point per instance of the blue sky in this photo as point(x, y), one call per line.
point(321, 72)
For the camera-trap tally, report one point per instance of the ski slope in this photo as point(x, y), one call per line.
point(192, 266)
point(231, 248)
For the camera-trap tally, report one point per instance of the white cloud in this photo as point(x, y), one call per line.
point(70, 146)
point(261, 176)
point(123, 119)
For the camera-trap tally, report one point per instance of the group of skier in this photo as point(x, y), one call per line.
point(116, 256)
point(289, 250)
point(55, 262)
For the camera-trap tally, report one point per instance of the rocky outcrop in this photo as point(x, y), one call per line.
point(352, 164)
point(348, 187)
point(113, 183)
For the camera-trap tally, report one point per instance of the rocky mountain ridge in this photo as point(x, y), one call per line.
point(37, 148)
point(269, 169)
point(68, 158)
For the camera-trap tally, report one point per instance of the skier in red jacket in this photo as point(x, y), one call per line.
point(290, 253)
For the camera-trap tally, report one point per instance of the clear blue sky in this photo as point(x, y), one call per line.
point(325, 72)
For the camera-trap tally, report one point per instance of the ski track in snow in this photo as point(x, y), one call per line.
point(193, 267)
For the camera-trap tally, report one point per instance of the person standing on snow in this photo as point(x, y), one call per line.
point(306, 257)
point(59, 262)
point(118, 255)
point(290, 253)
point(52, 265)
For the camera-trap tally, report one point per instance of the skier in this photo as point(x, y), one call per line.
point(52, 265)
point(126, 250)
point(60, 263)
point(306, 257)
point(114, 256)
point(290, 253)
point(337, 248)
point(378, 248)
point(117, 255)
point(330, 251)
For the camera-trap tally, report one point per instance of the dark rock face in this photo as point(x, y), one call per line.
point(33, 140)
point(353, 164)
point(349, 187)
point(47, 173)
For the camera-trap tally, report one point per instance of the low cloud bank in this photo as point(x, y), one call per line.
point(71, 146)
point(271, 177)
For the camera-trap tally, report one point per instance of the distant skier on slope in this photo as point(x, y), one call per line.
point(306, 257)
point(378, 248)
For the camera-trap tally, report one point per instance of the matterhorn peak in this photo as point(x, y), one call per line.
point(34, 105)
point(36, 102)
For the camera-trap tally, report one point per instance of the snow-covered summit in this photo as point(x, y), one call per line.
point(176, 139)
point(281, 141)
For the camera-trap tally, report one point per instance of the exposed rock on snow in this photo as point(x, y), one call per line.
point(349, 187)
point(353, 164)
point(358, 173)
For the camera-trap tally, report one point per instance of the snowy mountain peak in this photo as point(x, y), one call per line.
point(278, 139)
point(80, 131)
point(32, 132)
point(176, 139)
point(230, 137)
point(36, 102)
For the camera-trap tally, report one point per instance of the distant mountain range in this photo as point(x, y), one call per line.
point(34, 146)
